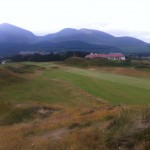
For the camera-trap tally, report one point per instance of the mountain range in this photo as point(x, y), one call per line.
point(14, 39)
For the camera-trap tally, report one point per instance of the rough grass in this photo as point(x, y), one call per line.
point(23, 68)
point(44, 89)
point(78, 62)
point(82, 62)
point(105, 128)
point(6, 75)
point(125, 71)
point(16, 113)
point(130, 128)
point(65, 108)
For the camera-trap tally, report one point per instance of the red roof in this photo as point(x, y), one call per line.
point(115, 55)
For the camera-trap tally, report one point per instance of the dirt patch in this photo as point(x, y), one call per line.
point(38, 109)
point(57, 134)
point(26, 112)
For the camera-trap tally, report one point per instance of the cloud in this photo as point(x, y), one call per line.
point(119, 17)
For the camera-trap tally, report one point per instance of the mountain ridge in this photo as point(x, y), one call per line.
point(13, 34)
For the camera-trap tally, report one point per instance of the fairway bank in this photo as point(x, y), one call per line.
point(134, 81)
point(114, 88)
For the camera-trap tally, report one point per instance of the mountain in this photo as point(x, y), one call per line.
point(14, 48)
point(14, 39)
point(85, 35)
point(11, 33)
point(126, 44)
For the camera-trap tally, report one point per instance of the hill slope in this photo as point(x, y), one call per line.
point(11, 33)
point(126, 44)
point(14, 39)
point(14, 48)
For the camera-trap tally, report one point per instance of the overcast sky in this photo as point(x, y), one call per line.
point(118, 17)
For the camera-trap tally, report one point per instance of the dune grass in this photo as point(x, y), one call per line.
point(63, 108)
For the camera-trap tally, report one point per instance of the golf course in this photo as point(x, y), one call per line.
point(47, 103)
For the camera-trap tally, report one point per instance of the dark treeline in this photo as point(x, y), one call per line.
point(48, 57)
point(138, 56)
point(146, 54)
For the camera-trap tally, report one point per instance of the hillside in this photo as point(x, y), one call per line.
point(61, 107)
point(126, 44)
point(14, 39)
point(8, 77)
point(12, 34)
point(14, 48)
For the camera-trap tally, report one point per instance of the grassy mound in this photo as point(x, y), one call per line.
point(77, 61)
point(16, 113)
point(13, 73)
point(24, 68)
point(82, 62)
point(130, 128)
point(7, 76)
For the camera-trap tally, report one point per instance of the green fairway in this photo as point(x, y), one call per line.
point(137, 82)
point(58, 84)
point(117, 89)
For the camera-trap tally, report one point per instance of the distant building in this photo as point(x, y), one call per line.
point(112, 56)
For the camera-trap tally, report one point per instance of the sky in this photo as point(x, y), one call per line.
point(117, 17)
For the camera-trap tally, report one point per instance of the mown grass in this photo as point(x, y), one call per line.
point(117, 89)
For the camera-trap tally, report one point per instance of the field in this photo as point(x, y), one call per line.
point(44, 104)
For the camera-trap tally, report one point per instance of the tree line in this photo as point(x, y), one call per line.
point(48, 57)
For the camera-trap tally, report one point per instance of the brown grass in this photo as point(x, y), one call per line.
point(9, 76)
point(104, 128)
point(125, 71)
point(96, 126)
point(40, 130)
